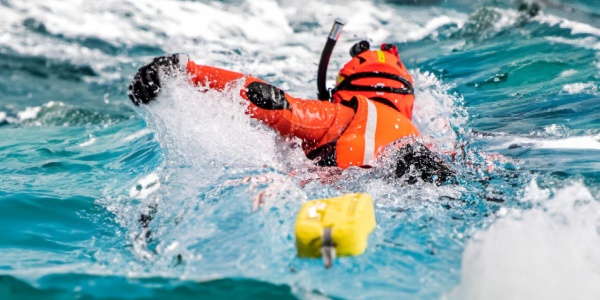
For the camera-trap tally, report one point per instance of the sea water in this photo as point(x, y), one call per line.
point(516, 99)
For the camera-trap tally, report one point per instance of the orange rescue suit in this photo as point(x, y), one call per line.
point(350, 131)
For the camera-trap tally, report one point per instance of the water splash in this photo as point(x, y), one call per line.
point(547, 251)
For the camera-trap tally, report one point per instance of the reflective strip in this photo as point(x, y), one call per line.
point(370, 133)
point(380, 56)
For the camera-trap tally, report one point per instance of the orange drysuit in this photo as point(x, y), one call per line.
point(371, 108)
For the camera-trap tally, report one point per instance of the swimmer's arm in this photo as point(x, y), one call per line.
point(309, 120)
point(215, 78)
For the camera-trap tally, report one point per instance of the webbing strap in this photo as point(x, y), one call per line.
point(327, 248)
point(347, 85)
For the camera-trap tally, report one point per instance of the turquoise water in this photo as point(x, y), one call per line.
point(516, 97)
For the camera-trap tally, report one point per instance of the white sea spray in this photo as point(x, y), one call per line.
point(548, 251)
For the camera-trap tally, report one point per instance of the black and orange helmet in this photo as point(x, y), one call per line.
point(383, 66)
point(377, 74)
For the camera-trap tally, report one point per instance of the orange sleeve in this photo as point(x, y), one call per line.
point(215, 78)
point(313, 121)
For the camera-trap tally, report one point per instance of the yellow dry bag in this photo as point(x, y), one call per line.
point(335, 226)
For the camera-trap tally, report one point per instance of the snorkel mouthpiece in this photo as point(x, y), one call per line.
point(332, 38)
point(336, 30)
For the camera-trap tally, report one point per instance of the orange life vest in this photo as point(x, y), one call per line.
point(374, 126)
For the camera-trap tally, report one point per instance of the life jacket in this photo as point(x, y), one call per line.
point(374, 126)
point(378, 75)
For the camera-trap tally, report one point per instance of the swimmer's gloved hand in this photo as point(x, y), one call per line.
point(147, 82)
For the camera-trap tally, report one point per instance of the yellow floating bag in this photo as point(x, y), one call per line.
point(335, 226)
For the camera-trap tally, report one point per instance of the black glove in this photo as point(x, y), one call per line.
point(418, 161)
point(147, 82)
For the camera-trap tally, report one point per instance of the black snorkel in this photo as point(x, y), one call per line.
point(334, 34)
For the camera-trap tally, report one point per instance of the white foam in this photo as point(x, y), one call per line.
point(587, 42)
point(535, 194)
point(145, 187)
point(584, 142)
point(196, 128)
point(127, 22)
point(81, 19)
point(574, 26)
point(260, 29)
point(557, 130)
point(547, 252)
point(54, 103)
point(29, 113)
point(16, 37)
point(431, 28)
point(566, 143)
point(136, 135)
point(89, 142)
point(580, 88)
point(568, 73)
point(435, 111)
point(9, 16)
point(508, 18)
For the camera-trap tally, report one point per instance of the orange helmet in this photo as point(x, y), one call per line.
point(379, 75)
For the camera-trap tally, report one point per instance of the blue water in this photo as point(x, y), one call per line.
point(517, 98)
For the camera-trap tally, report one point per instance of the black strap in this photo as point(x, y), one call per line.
point(347, 85)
